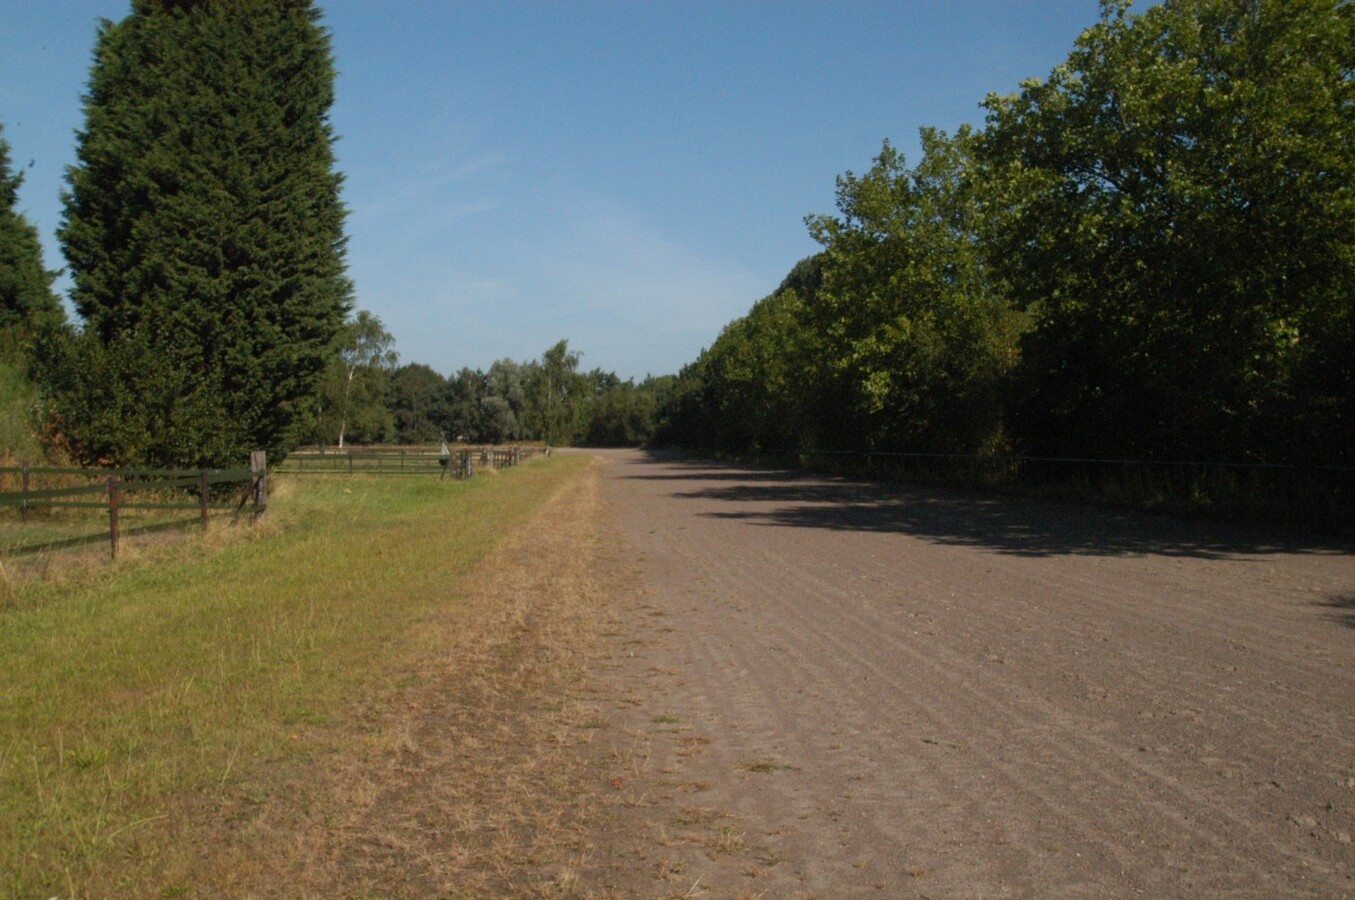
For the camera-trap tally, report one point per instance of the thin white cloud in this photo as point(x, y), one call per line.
point(547, 262)
point(475, 165)
point(468, 208)
point(434, 186)
point(611, 260)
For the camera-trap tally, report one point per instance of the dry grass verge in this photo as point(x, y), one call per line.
point(467, 780)
point(357, 705)
point(407, 690)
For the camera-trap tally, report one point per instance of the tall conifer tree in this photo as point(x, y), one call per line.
point(204, 231)
point(27, 304)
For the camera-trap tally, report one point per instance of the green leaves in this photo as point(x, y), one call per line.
point(27, 303)
point(913, 324)
point(353, 391)
point(1170, 197)
point(1149, 253)
point(204, 227)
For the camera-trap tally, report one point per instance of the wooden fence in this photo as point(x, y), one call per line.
point(112, 489)
point(459, 463)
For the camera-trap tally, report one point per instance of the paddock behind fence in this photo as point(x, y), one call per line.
point(459, 463)
point(33, 489)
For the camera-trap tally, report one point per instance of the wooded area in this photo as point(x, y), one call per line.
point(1149, 254)
point(549, 399)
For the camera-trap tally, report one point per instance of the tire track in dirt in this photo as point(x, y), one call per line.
point(878, 696)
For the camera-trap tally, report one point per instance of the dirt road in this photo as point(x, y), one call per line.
point(829, 689)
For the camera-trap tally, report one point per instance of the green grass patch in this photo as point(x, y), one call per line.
point(136, 701)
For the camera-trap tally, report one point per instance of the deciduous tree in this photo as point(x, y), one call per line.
point(559, 393)
point(417, 398)
point(914, 329)
point(353, 392)
point(1175, 205)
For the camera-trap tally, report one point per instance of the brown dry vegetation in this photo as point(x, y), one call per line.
point(347, 708)
point(465, 777)
point(677, 680)
point(502, 758)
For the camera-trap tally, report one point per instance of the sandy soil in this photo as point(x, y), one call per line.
point(820, 688)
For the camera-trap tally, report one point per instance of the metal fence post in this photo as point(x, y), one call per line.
point(24, 506)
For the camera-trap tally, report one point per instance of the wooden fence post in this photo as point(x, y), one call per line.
point(202, 496)
point(258, 467)
point(24, 506)
point(113, 514)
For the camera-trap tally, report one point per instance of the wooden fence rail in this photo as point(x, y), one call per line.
point(459, 463)
point(113, 486)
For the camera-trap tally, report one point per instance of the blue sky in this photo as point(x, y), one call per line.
point(627, 175)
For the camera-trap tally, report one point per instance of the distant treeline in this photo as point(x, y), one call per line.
point(368, 399)
point(1149, 254)
point(203, 232)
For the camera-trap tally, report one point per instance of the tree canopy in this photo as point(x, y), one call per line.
point(1150, 253)
point(204, 232)
point(353, 391)
point(27, 303)
point(1175, 205)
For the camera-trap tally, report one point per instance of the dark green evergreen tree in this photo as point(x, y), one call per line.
point(204, 231)
point(417, 399)
point(27, 303)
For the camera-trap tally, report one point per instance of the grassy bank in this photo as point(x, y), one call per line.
point(144, 708)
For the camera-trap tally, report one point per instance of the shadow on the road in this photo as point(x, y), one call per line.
point(100, 537)
point(1002, 523)
point(1343, 609)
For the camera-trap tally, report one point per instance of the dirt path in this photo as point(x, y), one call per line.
point(468, 771)
point(827, 689)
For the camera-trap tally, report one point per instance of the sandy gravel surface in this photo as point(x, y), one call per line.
point(821, 688)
